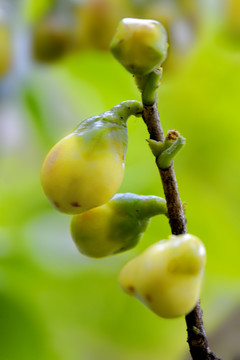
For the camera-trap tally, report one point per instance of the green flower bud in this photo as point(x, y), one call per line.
point(167, 276)
point(140, 45)
point(85, 169)
point(116, 226)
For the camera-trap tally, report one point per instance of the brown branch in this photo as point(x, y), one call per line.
point(197, 339)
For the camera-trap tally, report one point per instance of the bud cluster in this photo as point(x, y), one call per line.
point(83, 172)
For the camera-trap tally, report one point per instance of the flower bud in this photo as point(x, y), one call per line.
point(140, 45)
point(85, 169)
point(116, 226)
point(52, 38)
point(6, 54)
point(167, 276)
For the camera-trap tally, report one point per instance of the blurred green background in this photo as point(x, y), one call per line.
point(55, 303)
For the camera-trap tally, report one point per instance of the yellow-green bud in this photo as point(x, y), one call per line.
point(116, 226)
point(140, 45)
point(85, 169)
point(5, 50)
point(52, 38)
point(167, 276)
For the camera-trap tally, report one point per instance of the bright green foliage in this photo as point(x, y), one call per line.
point(140, 45)
point(85, 169)
point(116, 226)
point(33, 10)
point(167, 276)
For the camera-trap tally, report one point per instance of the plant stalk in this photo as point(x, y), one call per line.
point(197, 339)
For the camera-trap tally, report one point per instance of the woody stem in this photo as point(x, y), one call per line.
point(197, 340)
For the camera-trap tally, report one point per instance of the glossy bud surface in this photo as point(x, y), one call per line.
point(140, 45)
point(116, 226)
point(85, 169)
point(167, 276)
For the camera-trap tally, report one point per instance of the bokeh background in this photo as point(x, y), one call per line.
point(56, 70)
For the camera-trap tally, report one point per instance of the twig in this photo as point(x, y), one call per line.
point(197, 339)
